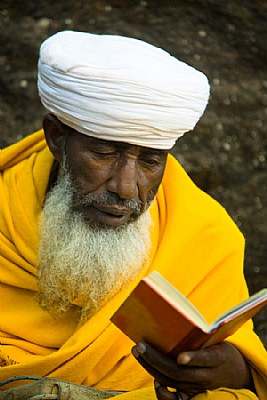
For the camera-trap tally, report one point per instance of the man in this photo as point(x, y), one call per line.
point(93, 203)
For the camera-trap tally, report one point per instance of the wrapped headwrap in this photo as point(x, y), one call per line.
point(118, 88)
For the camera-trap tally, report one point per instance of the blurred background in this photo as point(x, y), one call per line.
point(226, 154)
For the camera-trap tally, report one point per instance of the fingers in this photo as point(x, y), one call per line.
point(166, 371)
point(163, 393)
point(196, 371)
point(156, 360)
point(206, 358)
point(154, 371)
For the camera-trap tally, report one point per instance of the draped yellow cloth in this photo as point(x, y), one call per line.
point(196, 246)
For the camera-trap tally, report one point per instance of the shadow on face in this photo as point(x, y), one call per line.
point(113, 182)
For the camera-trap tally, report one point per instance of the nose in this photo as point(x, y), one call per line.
point(124, 179)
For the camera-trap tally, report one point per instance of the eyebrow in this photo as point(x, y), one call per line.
point(117, 144)
point(105, 142)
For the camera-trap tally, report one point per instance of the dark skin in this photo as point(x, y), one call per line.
point(194, 372)
point(121, 171)
point(129, 172)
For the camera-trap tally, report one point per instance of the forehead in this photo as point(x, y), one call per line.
point(79, 140)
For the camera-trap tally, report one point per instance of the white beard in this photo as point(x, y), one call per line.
point(85, 265)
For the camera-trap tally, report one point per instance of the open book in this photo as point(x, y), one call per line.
point(157, 313)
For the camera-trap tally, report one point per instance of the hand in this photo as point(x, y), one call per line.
point(193, 372)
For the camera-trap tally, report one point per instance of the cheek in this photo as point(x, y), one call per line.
point(90, 182)
point(149, 187)
point(87, 178)
point(152, 193)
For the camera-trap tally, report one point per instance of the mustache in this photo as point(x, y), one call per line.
point(105, 199)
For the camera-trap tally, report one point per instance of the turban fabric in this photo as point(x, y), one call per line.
point(118, 88)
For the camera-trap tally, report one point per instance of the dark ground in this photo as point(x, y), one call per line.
point(227, 153)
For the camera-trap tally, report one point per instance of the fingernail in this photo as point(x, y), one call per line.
point(141, 347)
point(183, 358)
point(135, 352)
point(156, 385)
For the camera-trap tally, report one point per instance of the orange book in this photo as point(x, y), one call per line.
point(157, 313)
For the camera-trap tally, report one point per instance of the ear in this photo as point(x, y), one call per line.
point(55, 135)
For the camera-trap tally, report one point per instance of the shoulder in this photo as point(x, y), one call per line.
point(13, 154)
point(195, 208)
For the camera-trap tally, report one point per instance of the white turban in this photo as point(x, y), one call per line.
point(118, 88)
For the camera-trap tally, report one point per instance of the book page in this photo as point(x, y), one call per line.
point(250, 303)
point(177, 299)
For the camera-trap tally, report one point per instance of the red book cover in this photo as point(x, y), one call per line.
point(155, 312)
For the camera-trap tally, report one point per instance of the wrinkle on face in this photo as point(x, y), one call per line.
point(109, 177)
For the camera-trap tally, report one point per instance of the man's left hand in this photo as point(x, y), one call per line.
point(193, 372)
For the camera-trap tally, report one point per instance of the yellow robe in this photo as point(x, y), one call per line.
point(195, 245)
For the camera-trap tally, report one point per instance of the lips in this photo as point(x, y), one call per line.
point(107, 215)
point(113, 210)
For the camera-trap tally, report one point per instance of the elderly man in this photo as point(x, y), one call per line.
point(94, 202)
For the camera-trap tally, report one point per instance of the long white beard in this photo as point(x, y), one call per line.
point(85, 265)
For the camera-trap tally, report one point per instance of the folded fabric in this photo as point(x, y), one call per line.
point(119, 88)
point(196, 246)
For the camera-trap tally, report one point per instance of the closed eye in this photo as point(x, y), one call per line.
point(150, 161)
point(105, 154)
point(152, 158)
